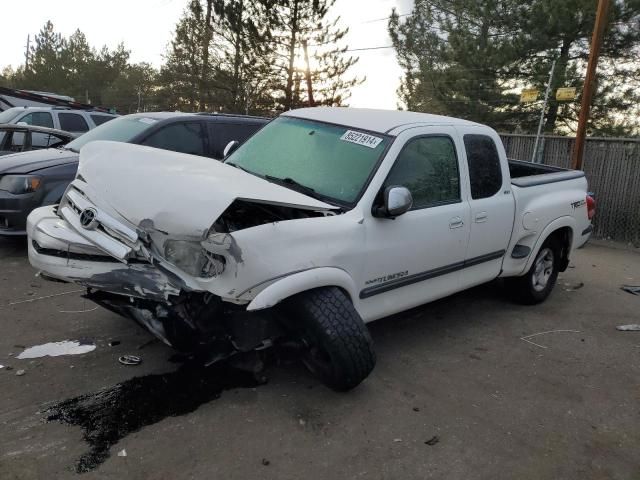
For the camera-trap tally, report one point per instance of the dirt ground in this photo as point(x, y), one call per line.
point(456, 393)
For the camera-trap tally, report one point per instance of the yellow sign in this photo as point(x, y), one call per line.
point(566, 93)
point(529, 95)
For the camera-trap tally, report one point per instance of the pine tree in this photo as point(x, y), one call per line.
point(184, 82)
point(305, 21)
point(471, 58)
point(46, 66)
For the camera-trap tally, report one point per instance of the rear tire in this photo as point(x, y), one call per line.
point(536, 285)
point(338, 346)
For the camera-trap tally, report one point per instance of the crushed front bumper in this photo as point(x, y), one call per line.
point(57, 250)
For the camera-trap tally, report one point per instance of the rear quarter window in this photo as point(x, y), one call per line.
point(485, 173)
point(72, 122)
point(100, 119)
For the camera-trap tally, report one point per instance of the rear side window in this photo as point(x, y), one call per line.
point(100, 119)
point(223, 133)
point(72, 122)
point(428, 167)
point(485, 173)
point(179, 137)
point(40, 119)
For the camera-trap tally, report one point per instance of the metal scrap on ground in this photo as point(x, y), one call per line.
point(525, 338)
point(633, 289)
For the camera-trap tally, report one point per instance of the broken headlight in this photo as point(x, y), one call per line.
point(191, 258)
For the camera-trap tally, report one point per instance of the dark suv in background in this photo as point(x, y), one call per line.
point(32, 179)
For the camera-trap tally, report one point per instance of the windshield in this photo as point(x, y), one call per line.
point(10, 114)
point(122, 129)
point(334, 161)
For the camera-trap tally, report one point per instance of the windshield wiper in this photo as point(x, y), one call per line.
point(293, 184)
point(241, 168)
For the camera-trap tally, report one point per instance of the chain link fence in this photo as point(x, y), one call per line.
point(612, 167)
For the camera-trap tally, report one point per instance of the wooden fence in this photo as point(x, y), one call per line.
point(612, 167)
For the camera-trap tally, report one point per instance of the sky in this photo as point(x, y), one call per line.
point(146, 27)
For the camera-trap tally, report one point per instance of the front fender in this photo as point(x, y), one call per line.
point(300, 282)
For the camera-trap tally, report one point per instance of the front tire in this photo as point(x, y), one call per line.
point(536, 285)
point(337, 345)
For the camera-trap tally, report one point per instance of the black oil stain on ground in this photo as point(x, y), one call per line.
point(111, 414)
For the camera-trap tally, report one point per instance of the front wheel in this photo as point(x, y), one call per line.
point(536, 285)
point(337, 345)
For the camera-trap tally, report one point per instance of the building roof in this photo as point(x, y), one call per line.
point(381, 121)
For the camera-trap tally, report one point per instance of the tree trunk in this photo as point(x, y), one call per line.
point(288, 93)
point(237, 61)
point(208, 33)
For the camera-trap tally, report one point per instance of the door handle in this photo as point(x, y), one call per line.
point(456, 222)
point(481, 217)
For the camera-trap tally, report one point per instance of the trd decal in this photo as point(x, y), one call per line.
point(578, 204)
point(387, 278)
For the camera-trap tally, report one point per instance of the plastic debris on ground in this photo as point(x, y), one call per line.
point(573, 288)
point(122, 453)
point(20, 373)
point(55, 349)
point(432, 441)
point(634, 327)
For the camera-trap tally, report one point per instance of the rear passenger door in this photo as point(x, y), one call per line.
point(491, 202)
point(183, 137)
point(39, 119)
point(220, 134)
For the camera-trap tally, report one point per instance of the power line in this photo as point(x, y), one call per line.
point(367, 48)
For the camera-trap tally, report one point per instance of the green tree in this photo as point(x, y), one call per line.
point(134, 90)
point(471, 58)
point(306, 21)
point(184, 82)
point(46, 70)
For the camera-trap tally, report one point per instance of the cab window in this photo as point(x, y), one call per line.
point(485, 173)
point(428, 167)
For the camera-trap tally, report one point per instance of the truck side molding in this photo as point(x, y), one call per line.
point(303, 281)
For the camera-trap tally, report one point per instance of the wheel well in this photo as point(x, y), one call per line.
point(564, 238)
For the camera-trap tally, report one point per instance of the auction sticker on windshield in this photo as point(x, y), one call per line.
point(361, 138)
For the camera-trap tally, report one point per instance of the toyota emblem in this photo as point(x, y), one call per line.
point(88, 218)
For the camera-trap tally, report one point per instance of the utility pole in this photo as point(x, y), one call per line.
point(587, 91)
point(26, 53)
point(308, 74)
point(544, 109)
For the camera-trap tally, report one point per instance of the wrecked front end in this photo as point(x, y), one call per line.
point(171, 262)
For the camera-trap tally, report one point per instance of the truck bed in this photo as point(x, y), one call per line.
point(527, 174)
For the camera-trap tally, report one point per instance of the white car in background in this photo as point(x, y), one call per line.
point(60, 118)
point(325, 219)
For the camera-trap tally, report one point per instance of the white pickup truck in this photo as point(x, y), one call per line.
point(326, 219)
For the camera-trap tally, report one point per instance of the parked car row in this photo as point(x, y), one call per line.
point(40, 177)
point(322, 221)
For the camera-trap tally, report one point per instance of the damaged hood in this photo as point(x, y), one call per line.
point(174, 192)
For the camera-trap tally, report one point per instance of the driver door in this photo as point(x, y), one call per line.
point(417, 257)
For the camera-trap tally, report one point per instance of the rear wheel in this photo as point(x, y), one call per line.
point(536, 285)
point(337, 345)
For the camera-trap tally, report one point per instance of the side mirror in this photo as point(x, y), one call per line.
point(231, 146)
point(22, 124)
point(397, 200)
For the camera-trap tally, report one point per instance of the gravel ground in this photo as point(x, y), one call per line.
point(457, 393)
